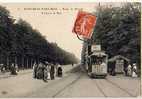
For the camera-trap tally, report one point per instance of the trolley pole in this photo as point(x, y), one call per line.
point(89, 45)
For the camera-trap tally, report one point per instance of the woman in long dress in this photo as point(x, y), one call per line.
point(129, 70)
point(134, 71)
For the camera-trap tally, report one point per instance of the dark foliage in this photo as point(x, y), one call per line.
point(118, 31)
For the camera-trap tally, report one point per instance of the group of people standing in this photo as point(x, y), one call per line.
point(131, 70)
point(47, 71)
point(13, 69)
point(125, 67)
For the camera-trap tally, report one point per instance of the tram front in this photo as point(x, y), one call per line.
point(98, 64)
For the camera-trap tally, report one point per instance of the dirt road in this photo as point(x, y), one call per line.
point(70, 85)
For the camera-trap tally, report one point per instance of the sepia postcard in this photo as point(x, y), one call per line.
point(70, 50)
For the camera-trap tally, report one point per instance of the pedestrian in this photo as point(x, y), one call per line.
point(48, 71)
point(52, 71)
point(134, 70)
point(13, 69)
point(17, 69)
point(34, 70)
point(125, 68)
point(45, 72)
point(39, 71)
point(125, 71)
point(72, 64)
point(113, 69)
point(129, 68)
point(60, 73)
point(3, 69)
point(56, 68)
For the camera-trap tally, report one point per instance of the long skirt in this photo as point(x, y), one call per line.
point(134, 74)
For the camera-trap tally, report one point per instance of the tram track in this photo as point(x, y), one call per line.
point(104, 87)
point(100, 89)
point(70, 84)
point(56, 83)
point(98, 84)
point(124, 90)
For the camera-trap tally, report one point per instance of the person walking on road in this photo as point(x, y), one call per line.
point(125, 68)
point(52, 72)
point(134, 70)
point(45, 72)
point(72, 64)
point(129, 70)
point(39, 71)
point(56, 68)
point(35, 66)
point(60, 73)
point(17, 69)
point(13, 70)
point(125, 71)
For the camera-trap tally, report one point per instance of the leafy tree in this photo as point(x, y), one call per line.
point(118, 30)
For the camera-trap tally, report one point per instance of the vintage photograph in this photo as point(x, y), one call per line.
point(70, 50)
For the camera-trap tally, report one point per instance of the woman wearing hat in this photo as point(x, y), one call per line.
point(129, 68)
point(134, 70)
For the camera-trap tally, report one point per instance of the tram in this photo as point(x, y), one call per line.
point(96, 64)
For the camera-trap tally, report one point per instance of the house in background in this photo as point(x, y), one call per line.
point(118, 63)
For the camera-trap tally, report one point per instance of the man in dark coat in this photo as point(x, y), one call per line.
point(52, 71)
point(13, 70)
point(60, 72)
point(126, 67)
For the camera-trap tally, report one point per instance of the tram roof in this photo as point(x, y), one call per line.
point(98, 53)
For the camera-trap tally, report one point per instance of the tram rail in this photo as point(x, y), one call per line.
point(113, 84)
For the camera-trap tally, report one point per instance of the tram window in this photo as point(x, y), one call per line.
point(96, 60)
point(93, 60)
